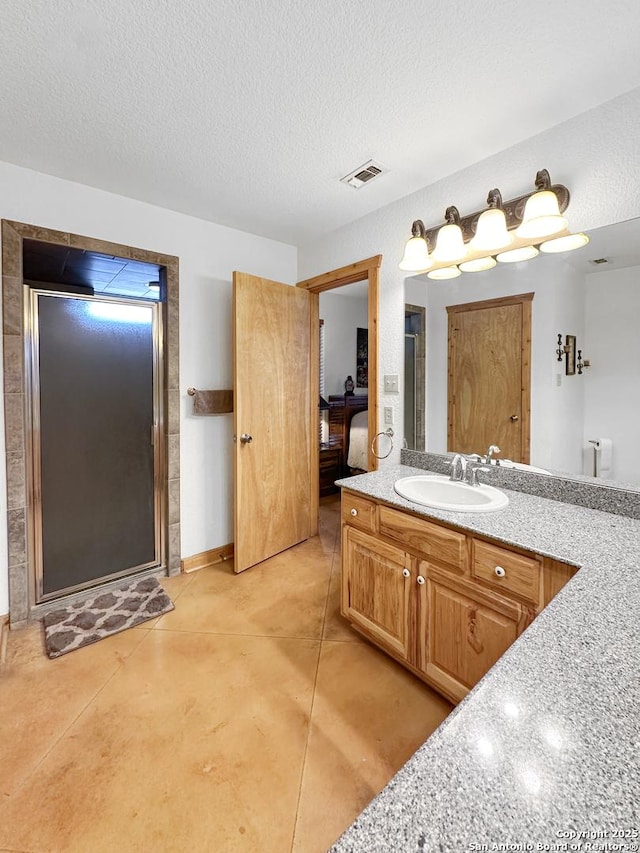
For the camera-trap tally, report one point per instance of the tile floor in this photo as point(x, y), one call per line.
point(250, 718)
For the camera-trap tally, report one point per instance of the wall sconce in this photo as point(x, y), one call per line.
point(506, 232)
point(561, 348)
point(582, 363)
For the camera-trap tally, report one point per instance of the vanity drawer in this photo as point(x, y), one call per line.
point(439, 544)
point(358, 511)
point(507, 571)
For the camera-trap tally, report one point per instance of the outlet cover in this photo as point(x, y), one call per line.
point(388, 415)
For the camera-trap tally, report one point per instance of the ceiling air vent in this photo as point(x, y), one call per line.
point(363, 174)
point(600, 261)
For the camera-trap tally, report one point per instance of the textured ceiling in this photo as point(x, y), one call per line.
point(247, 114)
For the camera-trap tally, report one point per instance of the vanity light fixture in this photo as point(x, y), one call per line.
point(541, 217)
point(478, 265)
point(416, 252)
point(450, 242)
point(524, 253)
point(491, 230)
point(505, 232)
point(564, 244)
point(442, 273)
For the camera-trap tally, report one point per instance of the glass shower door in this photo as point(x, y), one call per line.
point(95, 397)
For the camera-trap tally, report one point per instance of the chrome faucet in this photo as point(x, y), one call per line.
point(493, 448)
point(458, 467)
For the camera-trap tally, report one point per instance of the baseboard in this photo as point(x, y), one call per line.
point(4, 634)
point(207, 558)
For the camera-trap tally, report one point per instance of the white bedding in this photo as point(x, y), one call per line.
point(359, 441)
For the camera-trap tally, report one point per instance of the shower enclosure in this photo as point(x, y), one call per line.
point(94, 372)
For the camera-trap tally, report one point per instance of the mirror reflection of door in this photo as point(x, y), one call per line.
point(489, 376)
point(414, 377)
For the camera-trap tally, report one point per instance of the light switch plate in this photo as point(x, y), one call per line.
point(391, 383)
point(388, 415)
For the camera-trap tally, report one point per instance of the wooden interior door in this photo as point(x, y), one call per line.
point(273, 451)
point(489, 376)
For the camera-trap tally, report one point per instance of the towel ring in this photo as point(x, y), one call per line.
point(389, 434)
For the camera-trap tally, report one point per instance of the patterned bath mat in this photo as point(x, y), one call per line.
point(86, 622)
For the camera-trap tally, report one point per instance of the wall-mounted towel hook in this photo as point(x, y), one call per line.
point(191, 392)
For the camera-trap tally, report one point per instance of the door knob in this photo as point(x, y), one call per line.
point(514, 418)
point(245, 438)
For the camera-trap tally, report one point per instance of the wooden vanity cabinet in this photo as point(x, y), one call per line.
point(444, 603)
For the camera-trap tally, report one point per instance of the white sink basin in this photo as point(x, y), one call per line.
point(443, 493)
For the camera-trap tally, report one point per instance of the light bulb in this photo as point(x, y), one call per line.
point(523, 254)
point(416, 255)
point(565, 244)
point(444, 273)
point(541, 216)
point(478, 265)
point(491, 231)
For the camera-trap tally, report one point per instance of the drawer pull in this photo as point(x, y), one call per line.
point(354, 512)
point(420, 580)
point(499, 571)
point(406, 573)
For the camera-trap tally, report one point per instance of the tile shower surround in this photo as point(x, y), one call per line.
point(13, 233)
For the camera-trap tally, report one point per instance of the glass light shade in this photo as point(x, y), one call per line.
point(565, 244)
point(449, 244)
point(478, 265)
point(541, 216)
point(491, 231)
point(416, 255)
point(444, 273)
point(523, 254)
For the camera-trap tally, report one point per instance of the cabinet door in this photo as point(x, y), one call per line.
point(376, 589)
point(467, 632)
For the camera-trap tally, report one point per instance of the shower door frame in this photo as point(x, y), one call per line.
point(34, 468)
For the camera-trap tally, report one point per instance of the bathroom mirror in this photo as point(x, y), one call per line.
point(593, 294)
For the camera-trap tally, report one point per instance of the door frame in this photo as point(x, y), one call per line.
point(524, 300)
point(22, 607)
point(366, 270)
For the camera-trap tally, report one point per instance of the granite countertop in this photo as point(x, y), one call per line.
point(545, 750)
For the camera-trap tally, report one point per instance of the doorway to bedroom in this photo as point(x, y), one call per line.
point(344, 383)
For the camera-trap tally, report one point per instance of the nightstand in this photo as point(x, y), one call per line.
point(330, 467)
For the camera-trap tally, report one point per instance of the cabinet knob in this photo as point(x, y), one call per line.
point(354, 512)
point(406, 573)
point(420, 580)
point(499, 571)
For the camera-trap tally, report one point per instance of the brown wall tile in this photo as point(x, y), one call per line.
point(173, 451)
point(16, 481)
point(11, 251)
point(14, 422)
point(173, 412)
point(174, 549)
point(45, 235)
point(18, 594)
point(17, 530)
point(12, 306)
point(13, 360)
point(174, 501)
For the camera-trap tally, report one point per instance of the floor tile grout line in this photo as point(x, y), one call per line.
point(313, 699)
point(81, 712)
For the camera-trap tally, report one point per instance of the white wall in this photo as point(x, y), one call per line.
point(612, 386)
point(343, 315)
point(208, 255)
point(595, 154)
